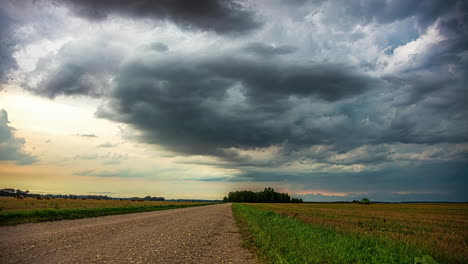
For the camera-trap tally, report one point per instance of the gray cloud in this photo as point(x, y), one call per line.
point(112, 174)
point(22, 23)
point(203, 104)
point(158, 46)
point(426, 12)
point(11, 147)
point(262, 49)
point(78, 73)
point(108, 156)
point(7, 45)
point(107, 145)
point(322, 101)
point(87, 135)
point(217, 15)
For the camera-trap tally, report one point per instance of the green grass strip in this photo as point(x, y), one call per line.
point(42, 215)
point(281, 239)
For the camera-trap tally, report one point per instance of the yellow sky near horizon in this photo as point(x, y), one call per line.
point(52, 129)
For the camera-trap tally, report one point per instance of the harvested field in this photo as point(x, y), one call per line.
point(440, 230)
point(32, 210)
point(29, 203)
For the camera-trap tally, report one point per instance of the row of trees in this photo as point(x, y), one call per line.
point(13, 192)
point(18, 192)
point(363, 201)
point(266, 196)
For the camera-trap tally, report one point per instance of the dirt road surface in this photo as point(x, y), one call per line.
point(206, 234)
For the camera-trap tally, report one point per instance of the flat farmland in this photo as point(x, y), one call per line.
point(440, 230)
point(30, 210)
point(13, 204)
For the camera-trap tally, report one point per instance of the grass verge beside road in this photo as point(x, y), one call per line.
point(42, 215)
point(282, 239)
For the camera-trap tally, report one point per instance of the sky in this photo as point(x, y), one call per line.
point(326, 100)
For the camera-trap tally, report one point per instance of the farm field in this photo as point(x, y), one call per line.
point(31, 210)
point(13, 204)
point(438, 230)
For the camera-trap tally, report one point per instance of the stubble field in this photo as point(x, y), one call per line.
point(438, 230)
point(31, 210)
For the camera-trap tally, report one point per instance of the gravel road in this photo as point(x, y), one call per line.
point(206, 234)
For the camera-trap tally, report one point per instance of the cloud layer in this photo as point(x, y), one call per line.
point(218, 15)
point(318, 93)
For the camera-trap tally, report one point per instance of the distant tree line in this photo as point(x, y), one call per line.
point(149, 198)
point(13, 192)
point(268, 195)
point(363, 201)
point(19, 193)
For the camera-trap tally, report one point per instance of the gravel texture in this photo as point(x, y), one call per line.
point(206, 234)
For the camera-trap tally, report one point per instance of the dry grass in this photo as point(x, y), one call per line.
point(14, 204)
point(439, 229)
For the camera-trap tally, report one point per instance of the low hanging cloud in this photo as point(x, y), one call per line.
point(224, 17)
point(12, 147)
point(69, 72)
point(204, 105)
point(199, 105)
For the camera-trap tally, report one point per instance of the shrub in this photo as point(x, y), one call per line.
point(364, 201)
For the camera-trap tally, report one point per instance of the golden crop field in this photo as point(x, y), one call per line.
point(439, 229)
point(13, 204)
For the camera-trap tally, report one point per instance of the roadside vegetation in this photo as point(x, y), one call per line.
point(282, 239)
point(31, 210)
point(352, 233)
point(29, 203)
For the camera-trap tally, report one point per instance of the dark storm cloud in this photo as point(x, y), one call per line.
point(7, 45)
point(432, 106)
point(71, 77)
point(11, 147)
point(432, 98)
point(158, 46)
point(78, 73)
point(197, 105)
point(217, 15)
point(262, 49)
